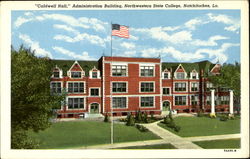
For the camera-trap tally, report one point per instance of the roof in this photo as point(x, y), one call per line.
point(65, 65)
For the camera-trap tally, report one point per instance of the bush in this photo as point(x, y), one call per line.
point(141, 128)
point(145, 118)
point(131, 120)
point(138, 117)
point(171, 124)
point(223, 118)
point(152, 116)
point(200, 114)
point(166, 120)
point(170, 116)
point(106, 118)
point(177, 128)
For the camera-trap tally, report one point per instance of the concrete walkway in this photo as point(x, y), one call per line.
point(171, 138)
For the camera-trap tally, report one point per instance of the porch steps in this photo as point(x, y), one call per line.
point(89, 115)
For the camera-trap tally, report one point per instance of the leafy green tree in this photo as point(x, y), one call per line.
point(31, 102)
point(229, 77)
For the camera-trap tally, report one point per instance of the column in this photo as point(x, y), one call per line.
point(212, 102)
point(231, 102)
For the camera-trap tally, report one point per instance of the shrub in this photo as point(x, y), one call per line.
point(171, 124)
point(138, 116)
point(152, 116)
point(177, 128)
point(106, 118)
point(223, 118)
point(141, 128)
point(145, 118)
point(170, 116)
point(131, 120)
point(166, 120)
point(200, 114)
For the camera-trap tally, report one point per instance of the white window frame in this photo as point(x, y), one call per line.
point(163, 74)
point(147, 65)
point(84, 102)
point(147, 107)
point(56, 82)
point(119, 97)
point(84, 89)
point(178, 96)
point(111, 87)
point(181, 82)
point(169, 91)
point(118, 64)
point(197, 86)
point(197, 98)
point(146, 82)
point(196, 74)
point(94, 88)
point(91, 74)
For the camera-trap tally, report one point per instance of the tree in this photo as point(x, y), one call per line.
point(31, 102)
point(229, 77)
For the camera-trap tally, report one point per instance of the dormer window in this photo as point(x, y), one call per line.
point(194, 76)
point(94, 74)
point(180, 75)
point(56, 74)
point(75, 74)
point(166, 75)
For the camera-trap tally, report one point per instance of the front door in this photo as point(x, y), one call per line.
point(166, 106)
point(94, 108)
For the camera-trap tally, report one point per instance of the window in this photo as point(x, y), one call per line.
point(194, 99)
point(147, 71)
point(56, 74)
point(75, 74)
point(147, 101)
point(224, 89)
point(56, 87)
point(119, 70)
point(147, 87)
point(180, 75)
point(208, 100)
point(209, 86)
point(75, 103)
point(194, 87)
point(166, 75)
point(119, 87)
point(166, 91)
point(94, 74)
point(94, 91)
point(194, 75)
point(180, 100)
point(224, 100)
point(119, 102)
point(180, 87)
point(76, 87)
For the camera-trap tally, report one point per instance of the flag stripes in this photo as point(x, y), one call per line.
point(120, 31)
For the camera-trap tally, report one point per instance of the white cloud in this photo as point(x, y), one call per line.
point(129, 53)
point(180, 37)
point(191, 24)
point(34, 45)
point(213, 54)
point(67, 28)
point(83, 56)
point(170, 28)
point(210, 42)
point(20, 21)
point(93, 39)
point(128, 45)
point(28, 13)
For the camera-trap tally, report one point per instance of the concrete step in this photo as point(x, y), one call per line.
point(88, 115)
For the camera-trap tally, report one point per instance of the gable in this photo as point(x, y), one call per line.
point(180, 69)
point(76, 67)
point(216, 69)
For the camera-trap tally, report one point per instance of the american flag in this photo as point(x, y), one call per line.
point(120, 30)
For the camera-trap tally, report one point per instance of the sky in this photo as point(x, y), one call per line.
point(173, 35)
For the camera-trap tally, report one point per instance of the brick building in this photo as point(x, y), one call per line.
point(130, 84)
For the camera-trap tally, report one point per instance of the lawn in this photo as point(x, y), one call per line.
point(85, 133)
point(158, 146)
point(204, 126)
point(220, 144)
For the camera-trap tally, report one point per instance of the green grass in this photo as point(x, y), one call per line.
point(85, 133)
point(204, 126)
point(158, 146)
point(220, 144)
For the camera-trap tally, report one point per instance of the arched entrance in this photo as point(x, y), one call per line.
point(166, 106)
point(94, 108)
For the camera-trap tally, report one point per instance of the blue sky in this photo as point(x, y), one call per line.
point(175, 35)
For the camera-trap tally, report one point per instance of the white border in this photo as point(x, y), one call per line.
point(111, 86)
point(140, 82)
point(84, 102)
point(84, 89)
point(99, 91)
point(113, 96)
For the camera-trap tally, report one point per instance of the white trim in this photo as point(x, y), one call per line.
point(161, 91)
point(91, 73)
point(181, 95)
point(99, 108)
point(57, 82)
point(134, 95)
point(84, 89)
point(60, 73)
point(69, 71)
point(111, 87)
point(191, 75)
point(180, 82)
point(170, 94)
point(123, 64)
point(154, 106)
point(198, 87)
point(143, 63)
point(103, 84)
point(162, 75)
point(99, 93)
point(190, 97)
point(216, 65)
point(170, 106)
point(84, 102)
point(147, 65)
point(119, 108)
point(146, 82)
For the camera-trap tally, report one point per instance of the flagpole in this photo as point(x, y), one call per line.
point(111, 99)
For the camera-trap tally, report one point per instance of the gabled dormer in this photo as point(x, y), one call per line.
point(76, 71)
point(57, 72)
point(180, 72)
point(94, 73)
point(194, 74)
point(215, 70)
point(166, 74)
